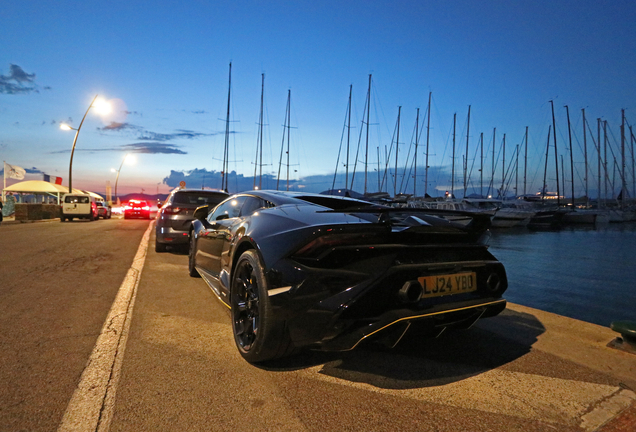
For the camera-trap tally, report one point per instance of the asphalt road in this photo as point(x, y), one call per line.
point(57, 284)
point(182, 372)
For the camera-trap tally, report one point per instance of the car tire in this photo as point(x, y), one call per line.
point(62, 218)
point(192, 261)
point(160, 247)
point(258, 334)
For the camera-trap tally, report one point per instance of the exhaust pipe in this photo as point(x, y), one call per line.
point(411, 292)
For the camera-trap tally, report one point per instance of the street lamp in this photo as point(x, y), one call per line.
point(103, 108)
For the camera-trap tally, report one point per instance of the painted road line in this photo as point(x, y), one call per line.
point(91, 406)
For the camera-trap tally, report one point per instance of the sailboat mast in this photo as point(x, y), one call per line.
point(598, 140)
point(397, 146)
point(428, 130)
point(481, 167)
point(466, 159)
point(556, 156)
point(259, 141)
point(417, 133)
point(348, 135)
point(226, 148)
point(623, 173)
point(605, 156)
point(517, 172)
point(567, 111)
point(631, 133)
point(587, 192)
point(453, 160)
point(492, 178)
point(545, 168)
point(282, 145)
point(366, 152)
point(288, 131)
point(525, 164)
point(503, 168)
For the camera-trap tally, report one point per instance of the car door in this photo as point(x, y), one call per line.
point(211, 241)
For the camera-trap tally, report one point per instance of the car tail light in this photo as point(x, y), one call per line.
point(171, 210)
point(320, 244)
point(145, 208)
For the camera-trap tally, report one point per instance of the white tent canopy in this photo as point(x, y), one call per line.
point(40, 187)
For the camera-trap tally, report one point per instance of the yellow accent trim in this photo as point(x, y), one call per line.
point(426, 315)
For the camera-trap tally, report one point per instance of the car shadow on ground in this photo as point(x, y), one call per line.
point(418, 362)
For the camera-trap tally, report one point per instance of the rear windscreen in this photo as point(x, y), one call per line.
point(76, 199)
point(198, 199)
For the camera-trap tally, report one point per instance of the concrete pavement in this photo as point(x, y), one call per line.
point(525, 370)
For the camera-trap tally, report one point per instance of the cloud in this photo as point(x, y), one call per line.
point(145, 135)
point(201, 177)
point(180, 133)
point(140, 147)
point(153, 148)
point(18, 81)
point(115, 126)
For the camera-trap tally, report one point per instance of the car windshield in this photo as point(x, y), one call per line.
point(198, 198)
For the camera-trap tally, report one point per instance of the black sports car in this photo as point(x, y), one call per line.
point(306, 270)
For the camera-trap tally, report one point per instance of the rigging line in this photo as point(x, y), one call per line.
point(508, 172)
point(344, 127)
point(492, 180)
point(408, 156)
point(388, 157)
point(470, 173)
point(620, 171)
point(366, 107)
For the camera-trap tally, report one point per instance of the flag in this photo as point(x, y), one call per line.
point(13, 171)
point(53, 179)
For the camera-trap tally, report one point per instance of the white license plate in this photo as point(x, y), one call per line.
point(448, 284)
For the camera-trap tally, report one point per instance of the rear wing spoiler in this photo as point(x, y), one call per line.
point(410, 217)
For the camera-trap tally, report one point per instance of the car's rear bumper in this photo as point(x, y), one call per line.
point(137, 214)
point(169, 235)
point(390, 328)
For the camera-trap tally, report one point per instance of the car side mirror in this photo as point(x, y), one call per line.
point(201, 212)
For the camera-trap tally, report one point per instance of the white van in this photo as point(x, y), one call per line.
point(78, 205)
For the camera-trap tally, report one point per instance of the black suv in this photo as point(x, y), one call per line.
point(174, 217)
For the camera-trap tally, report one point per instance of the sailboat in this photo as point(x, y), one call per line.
point(550, 219)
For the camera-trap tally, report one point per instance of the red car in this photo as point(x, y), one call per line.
point(137, 209)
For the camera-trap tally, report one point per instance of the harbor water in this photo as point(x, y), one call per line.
point(587, 273)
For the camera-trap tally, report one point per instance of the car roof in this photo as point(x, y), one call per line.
point(289, 197)
point(215, 191)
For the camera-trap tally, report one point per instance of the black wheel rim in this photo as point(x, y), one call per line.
point(245, 306)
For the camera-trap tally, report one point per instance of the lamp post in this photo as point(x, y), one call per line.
point(117, 171)
point(67, 127)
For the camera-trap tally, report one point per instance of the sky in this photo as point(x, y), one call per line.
point(164, 67)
